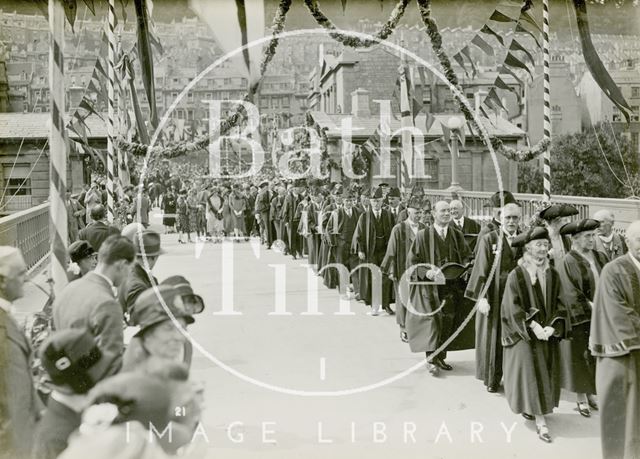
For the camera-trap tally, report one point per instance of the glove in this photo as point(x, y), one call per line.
point(435, 275)
point(538, 331)
point(483, 306)
point(549, 331)
point(361, 255)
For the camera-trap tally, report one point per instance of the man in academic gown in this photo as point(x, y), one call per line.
point(488, 327)
point(579, 273)
point(555, 217)
point(615, 341)
point(396, 208)
point(340, 229)
point(395, 259)
point(289, 208)
point(370, 241)
point(437, 245)
point(496, 201)
point(608, 242)
point(327, 255)
point(533, 322)
point(275, 212)
point(469, 227)
point(261, 211)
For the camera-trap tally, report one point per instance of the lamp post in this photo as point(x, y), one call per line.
point(454, 123)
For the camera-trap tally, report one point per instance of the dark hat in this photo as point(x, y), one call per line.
point(263, 184)
point(535, 233)
point(148, 310)
point(494, 200)
point(383, 184)
point(415, 203)
point(300, 183)
point(183, 287)
point(72, 358)
point(394, 192)
point(366, 193)
point(182, 191)
point(586, 224)
point(377, 194)
point(453, 270)
point(80, 250)
point(558, 210)
point(150, 243)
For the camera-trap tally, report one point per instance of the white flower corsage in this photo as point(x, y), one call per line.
point(74, 268)
point(494, 247)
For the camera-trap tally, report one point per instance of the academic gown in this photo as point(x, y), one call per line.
point(578, 288)
point(615, 341)
point(488, 342)
point(290, 223)
point(329, 276)
point(426, 333)
point(340, 229)
point(365, 241)
point(532, 366)
point(395, 262)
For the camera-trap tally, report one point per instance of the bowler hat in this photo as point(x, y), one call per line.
point(183, 287)
point(377, 194)
point(394, 192)
point(73, 359)
point(150, 244)
point(263, 184)
point(80, 250)
point(586, 224)
point(533, 234)
point(148, 309)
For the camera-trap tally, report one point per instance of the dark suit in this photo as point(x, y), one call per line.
point(19, 403)
point(89, 302)
point(469, 228)
point(95, 233)
point(135, 284)
point(399, 214)
point(289, 208)
point(262, 208)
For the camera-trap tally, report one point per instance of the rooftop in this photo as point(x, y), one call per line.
point(36, 126)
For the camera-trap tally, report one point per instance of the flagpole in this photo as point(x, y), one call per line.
point(58, 229)
point(547, 102)
point(111, 110)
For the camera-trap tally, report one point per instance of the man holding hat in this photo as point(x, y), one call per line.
point(533, 322)
point(75, 364)
point(488, 319)
point(148, 250)
point(261, 211)
point(98, 230)
point(370, 242)
point(615, 342)
point(579, 272)
point(555, 217)
point(90, 302)
point(19, 403)
point(395, 260)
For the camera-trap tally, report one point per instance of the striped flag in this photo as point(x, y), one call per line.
point(406, 121)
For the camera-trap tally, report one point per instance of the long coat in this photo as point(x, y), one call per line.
point(289, 207)
point(340, 229)
point(470, 228)
point(618, 248)
point(578, 283)
point(395, 262)
point(615, 341)
point(19, 403)
point(488, 327)
point(532, 366)
point(364, 240)
point(426, 333)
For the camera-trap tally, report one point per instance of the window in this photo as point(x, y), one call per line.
point(227, 81)
point(189, 114)
point(285, 102)
point(190, 97)
point(17, 181)
point(430, 169)
point(635, 91)
point(275, 102)
point(264, 102)
point(635, 116)
point(616, 115)
point(180, 113)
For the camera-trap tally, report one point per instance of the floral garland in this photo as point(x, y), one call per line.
point(202, 142)
point(355, 42)
point(436, 43)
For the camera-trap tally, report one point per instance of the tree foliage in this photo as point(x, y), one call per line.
point(596, 162)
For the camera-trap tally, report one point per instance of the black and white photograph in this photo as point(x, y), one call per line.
point(319, 229)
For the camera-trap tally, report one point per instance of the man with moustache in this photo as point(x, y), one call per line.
point(488, 328)
point(395, 261)
point(496, 206)
point(436, 246)
point(370, 241)
point(615, 342)
point(469, 227)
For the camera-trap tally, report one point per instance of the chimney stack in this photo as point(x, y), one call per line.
point(360, 103)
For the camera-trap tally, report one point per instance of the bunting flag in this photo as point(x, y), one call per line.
point(460, 61)
point(507, 70)
point(500, 83)
point(372, 144)
point(521, 29)
point(489, 31)
point(236, 23)
point(492, 96)
point(406, 121)
point(501, 17)
point(516, 46)
point(466, 52)
point(483, 45)
point(513, 61)
point(595, 65)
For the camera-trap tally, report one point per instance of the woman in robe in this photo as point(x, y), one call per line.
point(533, 322)
point(579, 273)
